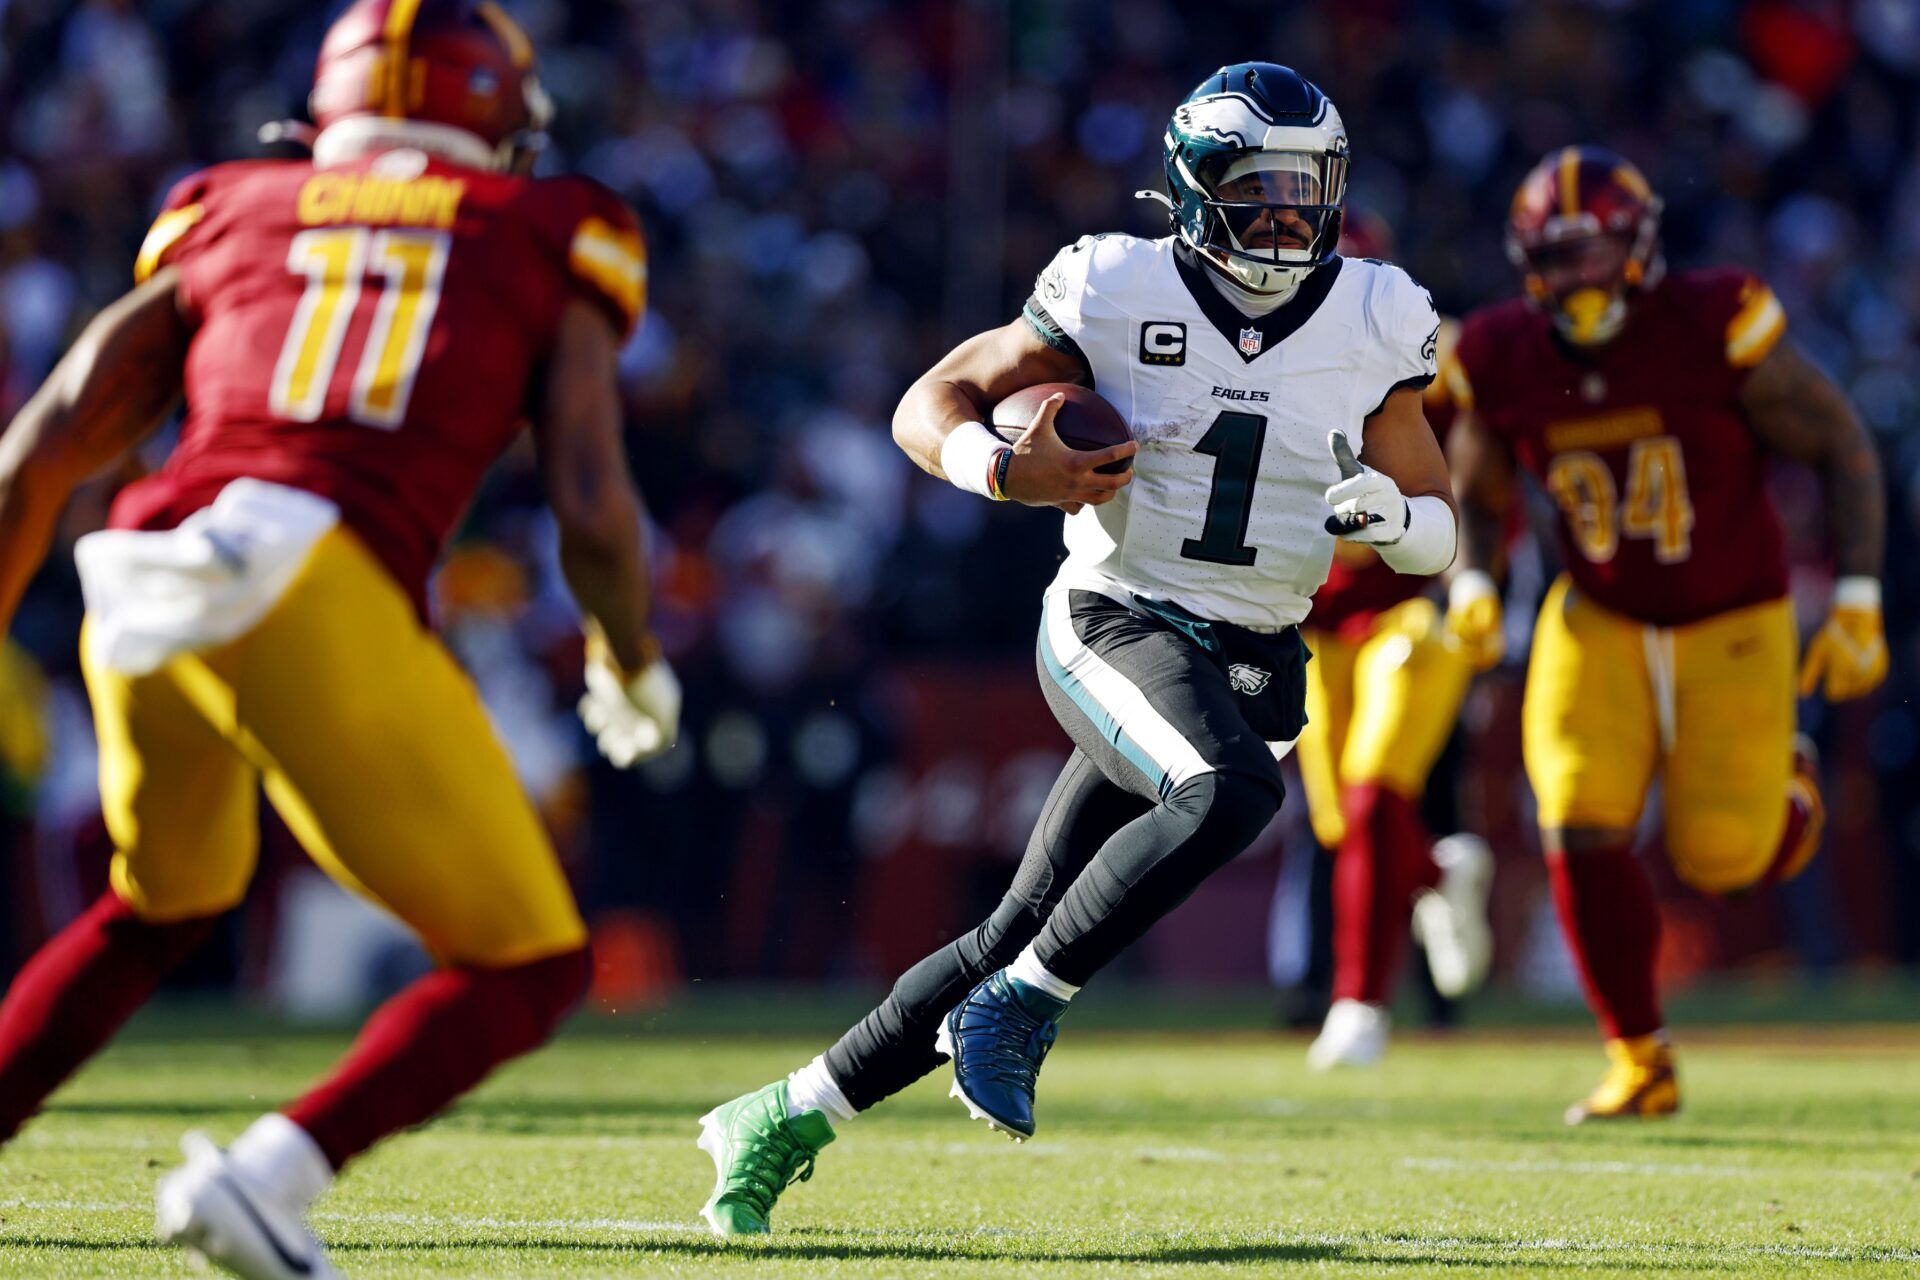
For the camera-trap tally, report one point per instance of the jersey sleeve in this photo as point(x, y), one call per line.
point(1439, 392)
point(1408, 327)
point(1058, 308)
point(172, 237)
point(606, 259)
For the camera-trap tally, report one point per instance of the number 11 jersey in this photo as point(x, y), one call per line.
point(1226, 513)
point(371, 332)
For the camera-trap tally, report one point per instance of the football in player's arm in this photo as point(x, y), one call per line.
point(940, 424)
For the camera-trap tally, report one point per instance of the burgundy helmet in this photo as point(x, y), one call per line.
point(1584, 230)
point(457, 64)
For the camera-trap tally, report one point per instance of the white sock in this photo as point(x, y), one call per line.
point(813, 1088)
point(1026, 967)
point(282, 1158)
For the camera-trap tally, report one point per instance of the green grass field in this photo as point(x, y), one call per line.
point(1163, 1154)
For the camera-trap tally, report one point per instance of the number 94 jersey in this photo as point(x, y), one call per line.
point(1226, 513)
point(1642, 444)
point(370, 332)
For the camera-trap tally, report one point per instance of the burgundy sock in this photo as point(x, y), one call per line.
point(433, 1042)
point(1384, 858)
point(74, 994)
point(1606, 908)
point(1789, 858)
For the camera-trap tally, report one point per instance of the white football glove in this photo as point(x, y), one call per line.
point(1368, 507)
point(631, 718)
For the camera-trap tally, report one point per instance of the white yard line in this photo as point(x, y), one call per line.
point(632, 1225)
point(988, 1148)
point(1450, 1164)
point(1147, 1240)
point(1704, 1252)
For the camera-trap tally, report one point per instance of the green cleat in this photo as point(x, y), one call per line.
point(758, 1151)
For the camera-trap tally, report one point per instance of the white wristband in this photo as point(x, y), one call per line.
point(1469, 585)
point(967, 456)
point(1856, 591)
point(1427, 545)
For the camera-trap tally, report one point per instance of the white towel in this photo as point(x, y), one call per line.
point(152, 596)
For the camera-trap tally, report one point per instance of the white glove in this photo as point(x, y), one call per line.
point(1368, 507)
point(631, 718)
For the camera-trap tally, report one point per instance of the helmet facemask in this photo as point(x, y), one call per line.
point(1267, 217)
point(521, 148)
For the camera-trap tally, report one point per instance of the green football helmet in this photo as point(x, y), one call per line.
point(1256, 161)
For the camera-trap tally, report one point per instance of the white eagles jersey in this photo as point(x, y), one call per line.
point(1226, 513)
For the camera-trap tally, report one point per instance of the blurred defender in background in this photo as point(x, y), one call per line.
point(358, 337)
point(1648, 402)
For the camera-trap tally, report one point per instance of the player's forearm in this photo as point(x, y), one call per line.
point(1481, 540)
point(1856, 505)
point(930, 410)
point(1798, 411)
point(113, 387)
point(1485, 487)
point(30, 504)
point(605, 566)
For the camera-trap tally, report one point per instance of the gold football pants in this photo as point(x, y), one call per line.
point(370, 742)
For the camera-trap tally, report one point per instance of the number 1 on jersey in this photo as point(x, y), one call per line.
point(1234, 441)
point(334, 261)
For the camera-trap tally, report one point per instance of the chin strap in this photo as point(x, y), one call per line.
point(1253, 302)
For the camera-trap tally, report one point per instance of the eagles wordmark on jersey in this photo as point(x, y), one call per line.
point(1225, 513)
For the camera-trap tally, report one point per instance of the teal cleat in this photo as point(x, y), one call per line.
point(998, 1037)
point(758, 1152)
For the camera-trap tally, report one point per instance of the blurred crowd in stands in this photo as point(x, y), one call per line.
point(836, 191)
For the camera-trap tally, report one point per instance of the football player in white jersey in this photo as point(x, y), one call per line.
point(1249, 360)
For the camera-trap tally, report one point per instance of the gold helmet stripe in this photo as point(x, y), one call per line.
point(1632, 179)
point(398, 35)
point(519, 48)
point(1570, 182)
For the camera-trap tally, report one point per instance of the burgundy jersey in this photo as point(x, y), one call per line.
point(1360, 586)
point(1660, 482)
point(371, 332)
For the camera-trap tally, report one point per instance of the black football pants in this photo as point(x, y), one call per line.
point(1169, 780)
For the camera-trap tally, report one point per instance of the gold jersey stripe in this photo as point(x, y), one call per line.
point(1755, 328)
point(165, 233)
point(613, 262)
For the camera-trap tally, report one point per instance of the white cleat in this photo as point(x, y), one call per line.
point(1354, 1035)
point(1451, 921)
point(219, 1215)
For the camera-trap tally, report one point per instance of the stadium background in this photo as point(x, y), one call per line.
point(835, 192)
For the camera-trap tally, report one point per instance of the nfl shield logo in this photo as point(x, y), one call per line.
point(1250, 340)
